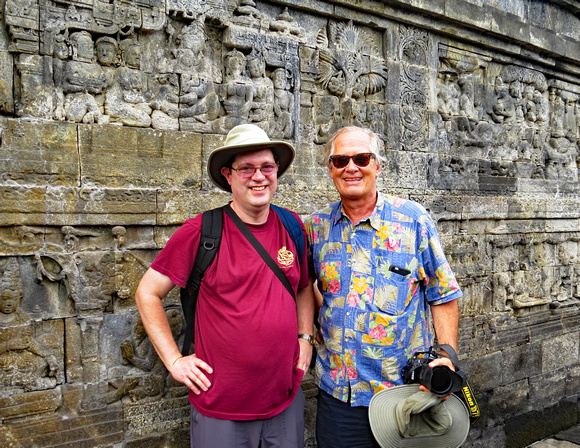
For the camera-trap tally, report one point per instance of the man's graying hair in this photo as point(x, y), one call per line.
point(374, 145)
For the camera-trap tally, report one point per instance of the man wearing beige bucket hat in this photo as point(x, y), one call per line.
point(252, 340)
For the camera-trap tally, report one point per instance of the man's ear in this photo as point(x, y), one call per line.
point(330, 169)
point(227, 174)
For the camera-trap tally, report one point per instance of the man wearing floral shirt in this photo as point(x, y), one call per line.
point(380, 270)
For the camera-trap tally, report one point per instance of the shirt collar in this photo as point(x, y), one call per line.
point(374, 218)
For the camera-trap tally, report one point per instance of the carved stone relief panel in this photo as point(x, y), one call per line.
point(414, 54)
point(30, 353)
point(207, 66)
point(513, 120)
point(352, 76)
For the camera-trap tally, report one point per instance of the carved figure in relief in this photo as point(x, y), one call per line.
point(467, 98)
point(89, 277)
point(504, 109)
point(140, 353)
point(107, 51)
point(529, 103)
point(443, 101)
point(261, 111)
point(236, 93)
point(198, 99)
point(188, 50)
point(561, 159)
point(79, 81)
point(127, 101)
point(502, 291)
point(376, 117)
point(283, 104)
point(165, 104)
point(326, 109)
point(349, 58)
point(542, 109)
point(61, 53)
point(24, 362)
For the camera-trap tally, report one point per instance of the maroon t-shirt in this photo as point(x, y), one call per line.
point(245, 324)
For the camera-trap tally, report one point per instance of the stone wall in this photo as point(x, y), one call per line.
point(109, 108)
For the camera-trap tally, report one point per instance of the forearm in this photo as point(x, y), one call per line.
point(446, 323)
point(148, 298)
point(305, 309)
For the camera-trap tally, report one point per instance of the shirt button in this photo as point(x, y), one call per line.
point(348, 313)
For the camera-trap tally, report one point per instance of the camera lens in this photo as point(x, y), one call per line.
point(441, 380)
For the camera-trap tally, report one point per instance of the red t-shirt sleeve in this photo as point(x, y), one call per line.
point(176, 259)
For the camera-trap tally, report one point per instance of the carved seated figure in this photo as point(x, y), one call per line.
point(127, 100)
point(80, 80)
point(198, 99)
point(24, 363)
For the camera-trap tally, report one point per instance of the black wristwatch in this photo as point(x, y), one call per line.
point(308, 337)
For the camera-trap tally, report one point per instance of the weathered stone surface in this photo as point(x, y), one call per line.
point(126, 157)
point(109, 112)
point(39, 154)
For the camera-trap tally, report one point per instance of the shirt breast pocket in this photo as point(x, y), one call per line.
point(393, 291)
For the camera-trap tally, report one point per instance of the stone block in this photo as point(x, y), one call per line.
point(127, 157)
point(6, 77)
point(210, 142)
point(523, 430)
point(486, 207)
point(174, 207)
point(485, 438)
point(483, 371)
point(573, 381)
point(469, 12)
point(21, 205)
point(31, 403)
point(39, 154)
point(511, 399)
point(522, 362)
point(510, 25)
point(547, 390)
point(558, 352)
point(157, 417)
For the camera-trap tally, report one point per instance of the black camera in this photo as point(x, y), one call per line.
point(440, 380)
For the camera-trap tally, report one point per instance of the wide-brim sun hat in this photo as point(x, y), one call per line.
point(405, 417)
point(244, 138)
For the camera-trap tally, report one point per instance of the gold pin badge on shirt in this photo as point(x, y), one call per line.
point(285, 257)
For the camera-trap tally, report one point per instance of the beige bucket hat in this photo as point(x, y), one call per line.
point(244, 138)
point(405, 417)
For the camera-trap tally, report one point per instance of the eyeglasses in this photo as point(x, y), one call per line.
point(248, 171)
point(361, 160)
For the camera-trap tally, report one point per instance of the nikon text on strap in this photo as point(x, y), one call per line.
point(467, 394)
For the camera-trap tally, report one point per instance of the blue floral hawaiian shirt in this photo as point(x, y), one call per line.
point(377, 279)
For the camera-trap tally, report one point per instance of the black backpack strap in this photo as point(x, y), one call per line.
point(293, 228)
point(211, 235)
point(260, 249)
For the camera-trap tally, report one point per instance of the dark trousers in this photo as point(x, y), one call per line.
point(285, 430)
point(339, 425)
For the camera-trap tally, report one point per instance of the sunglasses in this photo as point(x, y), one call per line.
point(360, 160)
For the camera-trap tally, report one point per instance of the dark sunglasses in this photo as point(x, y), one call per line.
point(360, 160)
